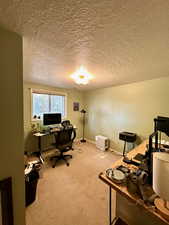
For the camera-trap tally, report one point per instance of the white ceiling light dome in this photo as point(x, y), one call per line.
point(81, 76)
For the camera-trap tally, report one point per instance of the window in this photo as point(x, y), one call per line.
point(47, 102)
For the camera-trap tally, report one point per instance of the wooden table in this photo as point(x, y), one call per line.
point(123, 192)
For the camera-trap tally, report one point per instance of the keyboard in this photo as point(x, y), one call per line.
point(56, 129)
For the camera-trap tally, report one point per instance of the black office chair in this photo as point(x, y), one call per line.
point(66, 124)
point(63, 142)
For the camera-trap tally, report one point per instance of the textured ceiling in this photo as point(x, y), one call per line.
point(118, 41)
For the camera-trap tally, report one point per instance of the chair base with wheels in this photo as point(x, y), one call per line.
point(61, 157)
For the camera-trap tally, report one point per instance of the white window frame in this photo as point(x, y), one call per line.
point(48, 92)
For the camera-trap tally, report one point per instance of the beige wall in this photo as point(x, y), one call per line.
point(11, 118)
point(130, 107)
point(73, 116)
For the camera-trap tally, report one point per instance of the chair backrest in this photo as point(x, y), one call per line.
point(66, 124)
point(65, 137)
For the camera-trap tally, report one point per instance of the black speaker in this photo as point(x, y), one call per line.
point(127, 136)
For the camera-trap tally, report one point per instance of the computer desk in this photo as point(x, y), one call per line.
point(138, 213)
point(39, 135)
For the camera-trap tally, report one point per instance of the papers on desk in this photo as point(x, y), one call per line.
point(39, 134)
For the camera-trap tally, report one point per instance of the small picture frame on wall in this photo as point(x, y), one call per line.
point(75, 106)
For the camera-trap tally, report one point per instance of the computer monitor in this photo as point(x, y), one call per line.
point(51, 118)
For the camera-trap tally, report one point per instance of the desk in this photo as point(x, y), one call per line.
point(124, 196)
point(39, 135)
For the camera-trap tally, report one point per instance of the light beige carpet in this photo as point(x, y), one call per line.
point(73, 195)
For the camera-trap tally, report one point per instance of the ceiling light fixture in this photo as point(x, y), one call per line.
point(81, 76)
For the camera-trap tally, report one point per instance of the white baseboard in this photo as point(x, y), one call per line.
point(91, 141)
point(116, 152)
point(87, 140)
point(77, 140)
point(110, 149)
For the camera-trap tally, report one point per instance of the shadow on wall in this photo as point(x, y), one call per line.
point(115, 146)
point(118, 146)
point(140, 139)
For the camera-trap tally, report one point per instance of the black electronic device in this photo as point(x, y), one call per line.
point(127, 136)
point(139, 157)
point(130, 161)
point(165, 145)
point(51, 118)
point(161, 124)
